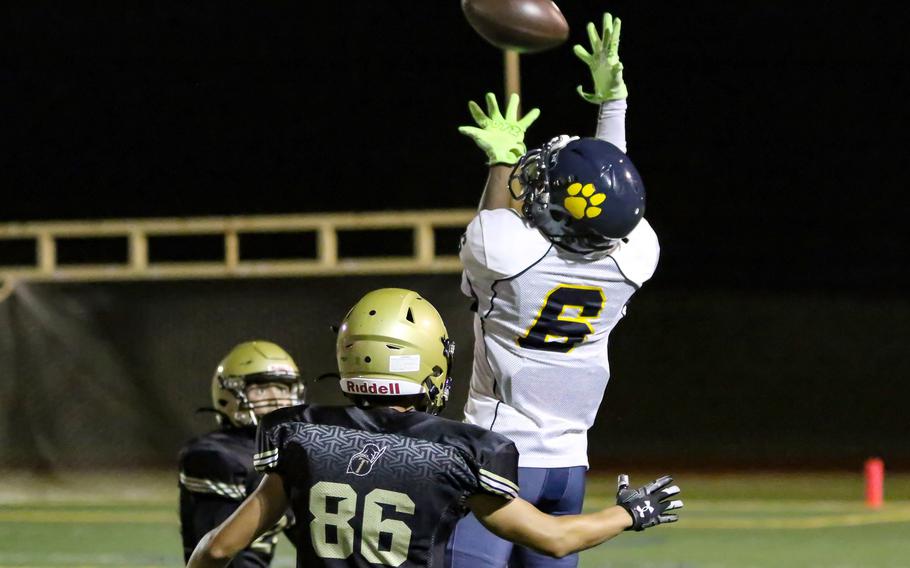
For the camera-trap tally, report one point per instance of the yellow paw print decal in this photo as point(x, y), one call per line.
point(586, 204)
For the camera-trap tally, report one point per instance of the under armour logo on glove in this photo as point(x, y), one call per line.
point(644, 510)
point(638, 502)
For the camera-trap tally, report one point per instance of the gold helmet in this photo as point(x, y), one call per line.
point(394, 343)
point(250, 363)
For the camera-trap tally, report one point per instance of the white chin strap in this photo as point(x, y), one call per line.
point(246, 417)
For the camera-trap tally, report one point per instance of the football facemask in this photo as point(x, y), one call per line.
point(248, 365)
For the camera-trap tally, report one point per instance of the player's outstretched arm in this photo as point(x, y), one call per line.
point(501, 137)
point(259, 512)
point(496, 191)
point(609, 89)
point(522, 523)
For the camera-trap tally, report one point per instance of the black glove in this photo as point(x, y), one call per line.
point(648, 504)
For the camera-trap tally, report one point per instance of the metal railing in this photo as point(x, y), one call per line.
point(139, 266)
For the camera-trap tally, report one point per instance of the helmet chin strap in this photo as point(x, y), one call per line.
point(432, 396)
point(244, 408)
point(254, 420)
point(435, 394)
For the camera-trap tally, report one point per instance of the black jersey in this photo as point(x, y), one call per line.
point(216, 475)
point(380, 487)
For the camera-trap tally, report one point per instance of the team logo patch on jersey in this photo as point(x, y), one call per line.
point(586, 204)
point(362, 462)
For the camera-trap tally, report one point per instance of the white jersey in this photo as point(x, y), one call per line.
point(544, 317)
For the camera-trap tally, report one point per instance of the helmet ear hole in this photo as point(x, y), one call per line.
point(410, 316)
point(222, 402)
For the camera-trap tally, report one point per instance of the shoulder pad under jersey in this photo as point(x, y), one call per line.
point(637, 256)
point(499, 243)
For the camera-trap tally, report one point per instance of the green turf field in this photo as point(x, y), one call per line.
point(756, 520)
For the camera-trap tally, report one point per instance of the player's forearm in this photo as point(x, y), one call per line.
point(524, 524)
point(572, 533)
point(496, 193)
point(563, 535)
point(611, 123)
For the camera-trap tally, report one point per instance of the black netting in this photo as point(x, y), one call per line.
point(109, 375)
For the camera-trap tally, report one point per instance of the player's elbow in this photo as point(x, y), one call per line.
point(553, 543)
point(217, 553)
point(558, 548)
point(222, 551)
point(212, 551)
point(561, 537)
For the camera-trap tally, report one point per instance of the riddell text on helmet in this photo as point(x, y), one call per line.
point(372, 388)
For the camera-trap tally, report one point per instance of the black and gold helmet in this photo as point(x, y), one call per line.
point(393, 343)
point(251, 363)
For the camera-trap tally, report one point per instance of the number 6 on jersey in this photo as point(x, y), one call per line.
point(554, 329)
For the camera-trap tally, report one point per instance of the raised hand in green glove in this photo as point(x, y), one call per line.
point(606, 69)
point(501, 137)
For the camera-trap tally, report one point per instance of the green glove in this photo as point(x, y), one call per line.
point(501, 137)
point(606, 69)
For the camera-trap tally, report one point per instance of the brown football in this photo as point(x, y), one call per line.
point(525, 26)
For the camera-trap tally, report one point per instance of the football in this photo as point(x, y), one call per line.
point(525, 26)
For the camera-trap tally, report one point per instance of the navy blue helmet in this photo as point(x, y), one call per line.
point(583, 195)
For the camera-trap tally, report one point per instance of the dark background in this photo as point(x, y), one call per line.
point(769, 134)
point(770, 137)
